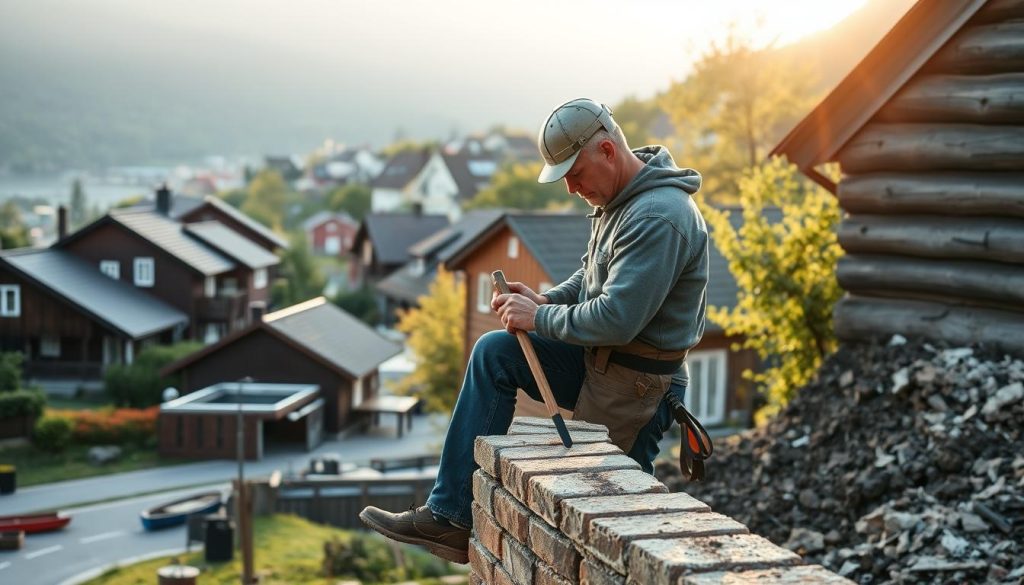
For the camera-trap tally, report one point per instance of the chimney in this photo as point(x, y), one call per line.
point(62, 222)
point(163, 200)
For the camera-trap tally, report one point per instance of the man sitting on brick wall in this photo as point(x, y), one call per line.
point(612, 339)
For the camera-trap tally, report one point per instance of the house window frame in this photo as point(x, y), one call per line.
point(259, 278)
point(513, 247)
point(49, 346)
point(710, 409)
point(111, 268)
point(10, 306)
point(144, 271)
point(483, 290)
point(210, 287)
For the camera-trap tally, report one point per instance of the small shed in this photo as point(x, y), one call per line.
point(204, 424)
point(928, 131)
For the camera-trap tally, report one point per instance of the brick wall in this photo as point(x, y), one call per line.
point(547, 515)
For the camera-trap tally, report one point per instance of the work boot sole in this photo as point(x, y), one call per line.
point(439, 550)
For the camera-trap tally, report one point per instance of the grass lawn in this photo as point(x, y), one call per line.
point(290, 551)
point(36, 467)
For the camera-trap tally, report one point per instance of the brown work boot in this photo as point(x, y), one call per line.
point(418, 526)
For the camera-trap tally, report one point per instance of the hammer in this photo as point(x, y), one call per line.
point(498, 278)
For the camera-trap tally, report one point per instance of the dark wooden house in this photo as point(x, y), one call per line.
point(205, 269)
point(313, 342)
point(542, 250)
point(216, 209)
point(70, 321)
point(928, 131)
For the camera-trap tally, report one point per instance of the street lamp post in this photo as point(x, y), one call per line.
point(244, 519)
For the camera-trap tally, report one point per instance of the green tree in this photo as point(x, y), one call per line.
point(353, 199)
point(267, 199)
point(786, 276)
point(299, 278)
point(515, 186)
point(10, 371)
point(636, 117)
point(435, 338)
point(13, 233)
point(733, 108)
point(361, 303)
point(140, 384)
point(79, 211)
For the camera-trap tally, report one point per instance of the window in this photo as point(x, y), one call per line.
point(145, 274)
point(210, 287)
point(705, 397)
point(228, 285)
point(332, 245)
point(49, 346)
point(357, 393)
point(418, 267)
point(513, 247)
point(10, 300)
point(483, 293)
point(111, 268)
point(367, 253)
point(259, 278)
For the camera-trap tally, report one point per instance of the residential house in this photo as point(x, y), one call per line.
point(390, 187)
point(330, 234)
point(314, 342)
point(927, 131)
point(289, 167)
point(545, 249)
point(70, 321)
point(439, 182)
point(204, 269)
point(352, 165)
point(383, 240)
point(216, 209)
point(404, 286)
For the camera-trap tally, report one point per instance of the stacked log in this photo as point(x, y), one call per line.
point(934, 192)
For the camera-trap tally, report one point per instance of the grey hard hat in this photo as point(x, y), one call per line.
point(565, 132)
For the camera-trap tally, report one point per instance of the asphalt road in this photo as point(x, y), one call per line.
point(97, 538)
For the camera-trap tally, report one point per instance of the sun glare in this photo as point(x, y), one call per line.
point(787, 21)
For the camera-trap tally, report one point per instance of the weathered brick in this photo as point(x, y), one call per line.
point(545, 575)
point(578, 513)
point(547, 423)
point(501, 576)
point(481, 561)
point(486, 530)
point(519, 561)
point(516, 474)
point(557, 451)
point(663, 561)
point(483, 490)
point(546, 492)
point(610, 537)
point(557, 551)
point(512, 515)
point(486, 449)
point(593, 572)
point(801, 575)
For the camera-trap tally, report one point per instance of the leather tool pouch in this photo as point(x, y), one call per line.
point(622, 399)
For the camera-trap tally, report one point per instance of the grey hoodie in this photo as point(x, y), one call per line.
point(645, 272)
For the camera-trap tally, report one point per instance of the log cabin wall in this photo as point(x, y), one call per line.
point(933, 188)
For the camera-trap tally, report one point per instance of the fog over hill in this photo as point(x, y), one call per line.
point(90, 84)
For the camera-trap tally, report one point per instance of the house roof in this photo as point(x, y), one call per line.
point(406, 284)
point(556, 240)
point(393, 233)
point(116, 304)
point(319, 329)
point(401, 168)
point(169, 235)
point(232, 244)
point(323, 216)
point(334, 335)
point(901, 53)
point(471, 172)
point(229, 210)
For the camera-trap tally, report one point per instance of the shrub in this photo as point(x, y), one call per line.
point(10, 371)
point(28, 403)
point(371, 560)
point(52, 433)
point(111, 426)
point(140, 384)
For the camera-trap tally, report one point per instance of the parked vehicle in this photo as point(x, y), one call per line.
point(177, 512)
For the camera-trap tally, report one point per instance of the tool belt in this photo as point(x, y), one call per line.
point(639, 356)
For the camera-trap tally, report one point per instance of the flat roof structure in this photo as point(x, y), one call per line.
point(270, 400)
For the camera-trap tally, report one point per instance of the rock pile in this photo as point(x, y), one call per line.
point(901, 463)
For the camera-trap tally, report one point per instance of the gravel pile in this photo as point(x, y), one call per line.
point(900, 463)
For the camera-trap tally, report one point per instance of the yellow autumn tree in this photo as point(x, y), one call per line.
point(434, 333)
point(785, 271)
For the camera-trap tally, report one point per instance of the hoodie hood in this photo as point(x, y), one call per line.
point(659, 170)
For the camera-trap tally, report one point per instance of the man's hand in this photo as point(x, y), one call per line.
point(518, 309)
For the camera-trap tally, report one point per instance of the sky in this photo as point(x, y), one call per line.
point(424, 69)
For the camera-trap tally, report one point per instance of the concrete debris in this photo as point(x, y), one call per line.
point(923, 483)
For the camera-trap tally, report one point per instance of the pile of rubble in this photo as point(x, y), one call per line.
point(900, 463)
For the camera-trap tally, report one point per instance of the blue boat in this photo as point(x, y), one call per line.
point(176, 512)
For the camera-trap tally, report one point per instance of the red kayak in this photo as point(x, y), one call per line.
point(29, 523)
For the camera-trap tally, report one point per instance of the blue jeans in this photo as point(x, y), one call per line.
point(487, 401)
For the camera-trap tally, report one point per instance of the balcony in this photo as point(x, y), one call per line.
point(227, 308)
